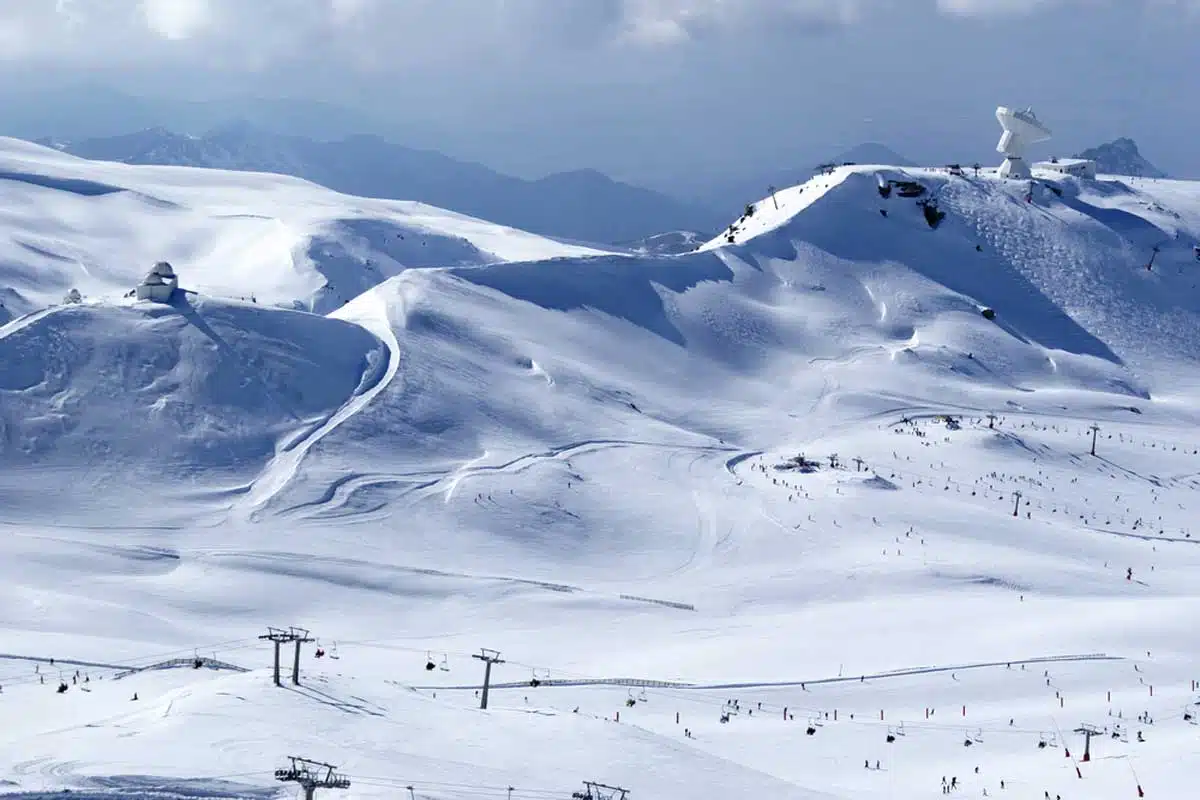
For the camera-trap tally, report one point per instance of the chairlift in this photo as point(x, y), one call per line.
point(444, 666)
point(429, 665)
point(537, 679)
point(320, 653)
point(978, 737)
point(63, 687)
point(642, 696)
point(334, 653)
point(810, 730)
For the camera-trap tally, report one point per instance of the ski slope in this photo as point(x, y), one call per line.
point(589, 461)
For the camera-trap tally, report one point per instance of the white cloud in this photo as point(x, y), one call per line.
point(401, 33)
point(177, 19)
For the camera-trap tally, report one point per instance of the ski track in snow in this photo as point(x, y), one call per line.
point(423, 485)
point(283, 467)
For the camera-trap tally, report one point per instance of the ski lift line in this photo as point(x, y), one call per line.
point(456, 787)
point(688, 694)
point(574, 680)
point(132, 663)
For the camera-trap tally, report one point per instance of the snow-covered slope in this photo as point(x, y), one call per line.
point(68, 222)
point(590, 464)
point(158, 401)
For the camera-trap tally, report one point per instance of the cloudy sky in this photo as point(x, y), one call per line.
point(680, 93)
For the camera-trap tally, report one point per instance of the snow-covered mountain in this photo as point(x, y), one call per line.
point(584, 205)
point(812, 513)
point(267, 238)
point(1121, 157)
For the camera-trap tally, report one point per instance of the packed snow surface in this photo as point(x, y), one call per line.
point(786, 517)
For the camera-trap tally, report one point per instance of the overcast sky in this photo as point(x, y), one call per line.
point(668, 91)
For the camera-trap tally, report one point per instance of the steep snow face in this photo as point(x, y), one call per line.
point(123, 406)
point(67, 222)
point(1097, 268)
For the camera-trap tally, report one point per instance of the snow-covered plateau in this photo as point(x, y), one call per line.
point(892, 484)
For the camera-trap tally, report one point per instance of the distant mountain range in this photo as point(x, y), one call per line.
point(582, 205)
point(1121, 157)
point(872, 153)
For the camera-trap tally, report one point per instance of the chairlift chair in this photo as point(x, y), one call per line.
point(444, 666)
point(334, 653)
point(429, 665)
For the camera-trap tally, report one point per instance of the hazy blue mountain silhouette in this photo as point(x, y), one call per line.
point(582, 205)
point(1121, 157)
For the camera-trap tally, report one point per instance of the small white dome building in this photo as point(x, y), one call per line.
point(159, 284)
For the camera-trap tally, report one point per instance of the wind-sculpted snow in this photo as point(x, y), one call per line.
point(66, 222)
point(626, 288)
point(195, 393)
point(852, 503)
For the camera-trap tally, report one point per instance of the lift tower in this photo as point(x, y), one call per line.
point(312, 775)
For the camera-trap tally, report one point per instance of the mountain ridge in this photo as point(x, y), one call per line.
point(582, 205)
point(1121, 157)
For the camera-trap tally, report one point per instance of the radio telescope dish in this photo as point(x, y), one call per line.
point(1021, 129)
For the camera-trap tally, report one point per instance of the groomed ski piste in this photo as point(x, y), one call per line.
point(814, 513)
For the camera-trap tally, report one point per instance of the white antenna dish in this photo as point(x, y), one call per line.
point(1021, 129)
